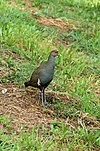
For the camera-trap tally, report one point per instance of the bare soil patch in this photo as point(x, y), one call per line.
point(25, 110)
point(24, 107)
point(54, 22)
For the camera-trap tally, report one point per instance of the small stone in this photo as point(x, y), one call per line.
point(4, 91)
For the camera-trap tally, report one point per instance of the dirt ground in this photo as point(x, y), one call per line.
point(23, 106)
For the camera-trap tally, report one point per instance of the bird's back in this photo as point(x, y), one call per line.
point(43, 75)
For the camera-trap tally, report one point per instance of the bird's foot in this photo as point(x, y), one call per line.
point(46, 103)
point(43, 105)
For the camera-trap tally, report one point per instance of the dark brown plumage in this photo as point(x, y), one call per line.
point(43, 75)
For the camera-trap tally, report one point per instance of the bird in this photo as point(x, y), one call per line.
point(43, 75)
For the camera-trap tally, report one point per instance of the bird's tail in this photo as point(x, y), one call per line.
point(27, 83)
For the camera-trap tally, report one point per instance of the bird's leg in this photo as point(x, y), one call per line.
point(42, 95)
point(44, 98)
point(44, 102)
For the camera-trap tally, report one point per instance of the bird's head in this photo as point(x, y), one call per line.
point(54, 53)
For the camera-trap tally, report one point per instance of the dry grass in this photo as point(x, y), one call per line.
point(54, 22)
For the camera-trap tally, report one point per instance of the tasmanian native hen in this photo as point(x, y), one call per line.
point(43, 75)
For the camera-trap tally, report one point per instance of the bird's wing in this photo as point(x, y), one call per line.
point(38, 72)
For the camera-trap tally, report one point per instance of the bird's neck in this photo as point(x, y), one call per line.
point(51, 60)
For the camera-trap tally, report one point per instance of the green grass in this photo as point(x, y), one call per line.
point(56, 138)
point(78, 66)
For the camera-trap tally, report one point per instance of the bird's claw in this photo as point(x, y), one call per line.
point(45, 104)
